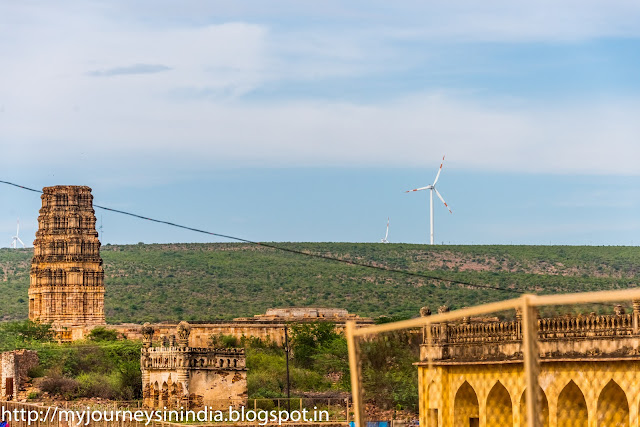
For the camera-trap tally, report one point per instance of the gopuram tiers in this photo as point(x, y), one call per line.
point(67, 278)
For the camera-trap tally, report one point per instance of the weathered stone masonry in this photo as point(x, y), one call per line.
point(67, 277)
point(175, 375)
point(15, 372)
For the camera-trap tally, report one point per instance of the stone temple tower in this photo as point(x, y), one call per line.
point(67, 277)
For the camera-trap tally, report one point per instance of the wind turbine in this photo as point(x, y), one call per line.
point(16, 238)
point(432, 188)
point(384, 240)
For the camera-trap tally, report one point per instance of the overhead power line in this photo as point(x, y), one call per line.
point(295, 251)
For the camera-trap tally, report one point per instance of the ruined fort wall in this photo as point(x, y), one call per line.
point(14, 373)
point(217, 388)
point(201, 332)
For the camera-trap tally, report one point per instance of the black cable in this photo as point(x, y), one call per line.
point(294, 251)
point(20, 186)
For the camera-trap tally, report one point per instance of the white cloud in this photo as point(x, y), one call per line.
point(407, 132)
point(192, 115)
point(518, 21)
point(489, 20)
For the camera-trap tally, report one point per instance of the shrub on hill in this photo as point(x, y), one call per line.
point(101, 333)
point(212, 281)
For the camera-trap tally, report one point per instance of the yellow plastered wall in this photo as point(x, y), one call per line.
point(601, 383)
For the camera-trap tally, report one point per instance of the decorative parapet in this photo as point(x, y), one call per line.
point(176, 353)
point(306, 314)
point(586, 326)
point(483, 332)
point(162, 358)
point(573, 336)
point(176, 375)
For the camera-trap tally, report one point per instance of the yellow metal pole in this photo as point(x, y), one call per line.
point(530, 356)
point(354, 367)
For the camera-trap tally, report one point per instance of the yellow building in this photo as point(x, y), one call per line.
point(589, 372)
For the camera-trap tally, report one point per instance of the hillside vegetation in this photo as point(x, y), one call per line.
point(222, 281)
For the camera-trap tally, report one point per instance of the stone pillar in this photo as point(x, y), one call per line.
point(425, 312)
point(443, 326)
point(183, 378)
point(183, 331)
point(592, 409)
point(552, 400)
point(147, 338)
point(633, 408)
point(518, 323)
point(444, 333)
point(466, 320)
point(147, 332)
point(636, 316)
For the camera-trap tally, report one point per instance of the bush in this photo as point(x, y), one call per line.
point(101, 333)
point(15, 335)
point(106, 369)
point(61, 386)
point(266, 384)
point(130, 380)
point(389, 378)
point(224, 341)
point(103, 386)
point(304, 379)
point(36, 372)
point(308, 338)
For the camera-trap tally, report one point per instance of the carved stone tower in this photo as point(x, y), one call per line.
point(67, 277)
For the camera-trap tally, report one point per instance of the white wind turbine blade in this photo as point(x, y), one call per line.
point(439, 170)
point(445, 203)
point(18, 230)
point(387, 235)
point(21, 242)
point(418, 189)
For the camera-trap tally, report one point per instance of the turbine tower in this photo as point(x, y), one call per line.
point(431, 189)
point(384, 240)
point(16, 238)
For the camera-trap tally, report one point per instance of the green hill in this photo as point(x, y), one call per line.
point(222, 281)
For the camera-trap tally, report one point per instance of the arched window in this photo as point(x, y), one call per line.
point(466, 409)
point(613, 406)
point(499, 408)
point(572, 407)
point(543, 408)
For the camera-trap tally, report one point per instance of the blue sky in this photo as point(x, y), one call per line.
point(305, 121)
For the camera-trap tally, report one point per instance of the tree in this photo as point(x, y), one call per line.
point(101, 333)
point(307, 340)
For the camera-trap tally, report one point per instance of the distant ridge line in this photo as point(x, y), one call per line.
point(294, 251)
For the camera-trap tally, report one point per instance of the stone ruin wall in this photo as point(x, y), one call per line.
point(269, 327)
point(201, 333)
point(15, 372)
point(175, 374)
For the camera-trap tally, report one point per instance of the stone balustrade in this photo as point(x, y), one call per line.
point(562, 336)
